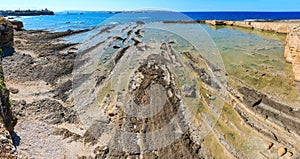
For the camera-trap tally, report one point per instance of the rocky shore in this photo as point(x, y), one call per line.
point(291, 28)
point(92, 100)
point(288, 27)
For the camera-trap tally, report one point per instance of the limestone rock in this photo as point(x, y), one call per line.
point(215, 22)
point(282, 151)
point(189, 91)
point(292, 50)
point(6, 37)
point(7, 149)
point(18, 25)
point(47, 110)
point(269, 145)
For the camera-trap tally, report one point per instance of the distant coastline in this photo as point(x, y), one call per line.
point(26, 12)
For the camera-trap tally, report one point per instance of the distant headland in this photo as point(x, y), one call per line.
point(26, 12)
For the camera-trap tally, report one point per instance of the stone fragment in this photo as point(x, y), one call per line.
point(269, 145)
point(282, 151)
point(189, 91)
point(13, 90)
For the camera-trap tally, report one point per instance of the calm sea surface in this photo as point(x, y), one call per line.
point(62, 21)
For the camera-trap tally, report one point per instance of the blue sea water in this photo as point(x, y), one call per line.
point(62, 21)
point(241, 16)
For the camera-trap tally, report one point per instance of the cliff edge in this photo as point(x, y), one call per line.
point(292, 50)
point(7, 119)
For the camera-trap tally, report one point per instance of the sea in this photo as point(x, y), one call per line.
point(76, 20)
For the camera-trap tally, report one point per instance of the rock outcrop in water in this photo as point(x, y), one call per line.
point(18, 25)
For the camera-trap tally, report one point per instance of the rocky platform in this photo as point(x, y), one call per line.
point(130, 93)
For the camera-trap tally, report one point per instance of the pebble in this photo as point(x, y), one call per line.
point(13, 90)
point(23, 102)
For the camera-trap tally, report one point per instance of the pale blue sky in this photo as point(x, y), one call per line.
point(176, 5)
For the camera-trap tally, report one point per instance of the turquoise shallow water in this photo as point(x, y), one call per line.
point(256, 59)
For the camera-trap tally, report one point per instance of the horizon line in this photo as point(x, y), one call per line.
point(156, 9)
point(180, 11)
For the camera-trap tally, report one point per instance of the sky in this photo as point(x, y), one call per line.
point(174, 5)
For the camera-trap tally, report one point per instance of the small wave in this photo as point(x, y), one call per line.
point(144, 17)
point(114, 23)
point(79, 22)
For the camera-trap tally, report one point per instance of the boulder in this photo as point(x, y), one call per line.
point(6, 37)
point(282, 151)
point(18, 25)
